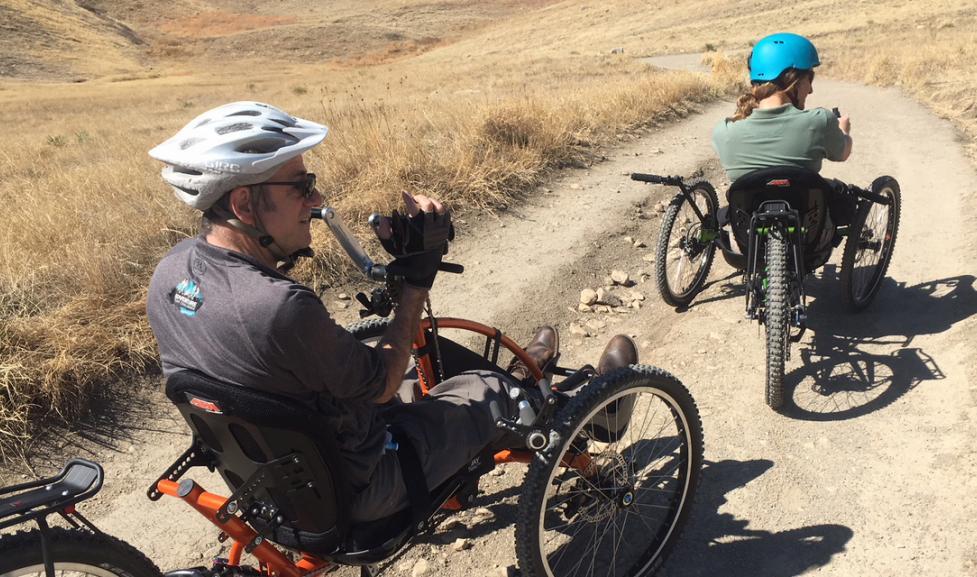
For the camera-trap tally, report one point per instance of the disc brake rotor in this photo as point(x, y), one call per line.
point(596, 496)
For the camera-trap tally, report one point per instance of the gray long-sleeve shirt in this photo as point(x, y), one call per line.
point(228, 316)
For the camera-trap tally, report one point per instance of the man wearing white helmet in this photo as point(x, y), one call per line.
point(219, 304)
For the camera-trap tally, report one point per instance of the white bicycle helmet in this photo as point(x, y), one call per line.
point(236, 144)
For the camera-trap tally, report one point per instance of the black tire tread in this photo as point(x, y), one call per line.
point(368, 328)
point(23, 549)
point(535, 484)
point(775, 320)
point(661, 249)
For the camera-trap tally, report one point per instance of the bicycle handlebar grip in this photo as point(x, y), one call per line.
point(451, 267)
point(652, 178)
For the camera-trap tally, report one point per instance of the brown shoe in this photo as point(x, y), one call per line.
point(541, 349)
point(619, 352)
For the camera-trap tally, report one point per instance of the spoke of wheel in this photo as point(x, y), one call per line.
point(593, 555)
point(576, 567)
point(585, 480)
point(641, 433)
point(678, 273)
point(657, 439)
point(570, 524)
point(617, 543)
point(642, 519)
point(565, 547)
point(664, 473)
point(649, 505)
point(634, 443)
point(584, 554)
point(634, 411)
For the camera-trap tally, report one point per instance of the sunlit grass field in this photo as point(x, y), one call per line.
point(479, 117)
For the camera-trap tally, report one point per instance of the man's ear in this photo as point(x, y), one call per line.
point(240, 204)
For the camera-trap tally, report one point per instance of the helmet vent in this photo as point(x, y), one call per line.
point(261, 146)
point(234, 128)
point(189, 142)
point(202, 122)
point(246, 113)
point(280, 121)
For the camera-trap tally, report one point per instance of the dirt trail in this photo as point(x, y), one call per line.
point(872, 473)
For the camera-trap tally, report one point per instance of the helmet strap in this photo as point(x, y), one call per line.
point(264, 239)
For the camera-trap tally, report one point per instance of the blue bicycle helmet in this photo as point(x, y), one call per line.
point(778, 52)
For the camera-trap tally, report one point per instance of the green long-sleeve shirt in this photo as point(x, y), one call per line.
point(776, 137)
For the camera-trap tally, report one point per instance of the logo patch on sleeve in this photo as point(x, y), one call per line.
point(187, 297)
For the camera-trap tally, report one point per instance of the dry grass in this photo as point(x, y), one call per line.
point(86, 204)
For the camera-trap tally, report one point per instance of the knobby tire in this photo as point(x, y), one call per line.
point(777, 293)
point(859, 234)
point(539, 520)
point(678, 296)
point(77, 551)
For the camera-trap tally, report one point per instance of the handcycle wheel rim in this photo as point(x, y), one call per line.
point(634, 517)
point(874, 248)
point(62, 570)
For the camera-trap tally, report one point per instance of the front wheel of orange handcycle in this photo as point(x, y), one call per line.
point(612, 467)
point(610, 493)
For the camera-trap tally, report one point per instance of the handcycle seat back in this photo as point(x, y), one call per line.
point(247, 431)
point(804, 190)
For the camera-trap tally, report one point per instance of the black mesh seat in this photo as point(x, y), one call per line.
point(244, 430)
point(804, 190)
point(280, 458)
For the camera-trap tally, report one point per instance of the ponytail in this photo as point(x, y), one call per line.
point(785, 83)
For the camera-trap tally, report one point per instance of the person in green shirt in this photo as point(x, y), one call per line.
point(773, 127)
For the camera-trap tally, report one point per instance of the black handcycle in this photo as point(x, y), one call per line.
point(781, 223)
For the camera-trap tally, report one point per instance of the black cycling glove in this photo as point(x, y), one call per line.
point(418, 242)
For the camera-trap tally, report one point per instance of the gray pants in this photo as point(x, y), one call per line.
point(448, 428)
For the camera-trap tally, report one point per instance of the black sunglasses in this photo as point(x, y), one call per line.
point(306, 185)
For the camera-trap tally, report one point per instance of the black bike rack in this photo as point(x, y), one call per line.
point(35, 500)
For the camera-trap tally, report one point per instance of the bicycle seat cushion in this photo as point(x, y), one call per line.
point(245, 429)
point(803, 189)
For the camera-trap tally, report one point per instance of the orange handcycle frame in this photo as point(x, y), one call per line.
point(272, 560)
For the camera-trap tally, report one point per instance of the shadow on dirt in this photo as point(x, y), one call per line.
point(716, 543)
point(860, 363)
point(731, 286)
point(713, 543)
point(120, 418)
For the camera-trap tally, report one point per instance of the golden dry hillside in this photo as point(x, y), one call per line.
point(475, 102)
point(91, 39)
